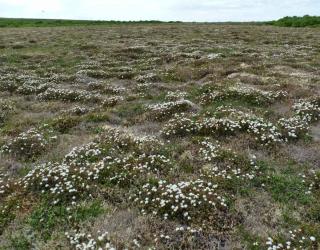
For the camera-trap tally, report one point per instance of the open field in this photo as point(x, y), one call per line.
point(160, 136)
point(26, 22)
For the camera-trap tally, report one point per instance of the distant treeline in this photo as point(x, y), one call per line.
point(21, 22)
point(296, 21)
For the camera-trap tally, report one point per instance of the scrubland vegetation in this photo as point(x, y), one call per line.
point(160, 136)
point(295, 21)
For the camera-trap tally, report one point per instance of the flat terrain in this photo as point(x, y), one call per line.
point(160, 136)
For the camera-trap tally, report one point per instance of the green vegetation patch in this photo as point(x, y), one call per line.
point(296, 21)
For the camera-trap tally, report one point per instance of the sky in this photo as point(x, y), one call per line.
point(165, 10)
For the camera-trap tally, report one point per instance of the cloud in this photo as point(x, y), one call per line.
point(185, 10)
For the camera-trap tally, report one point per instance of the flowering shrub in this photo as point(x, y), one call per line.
point(84, 155)
point(264, 132)
point(116, 140)
point(297, 240)
point(112, 101)
point(124, 141)
point(305, 112)
point(70, 179)
point(211, 126)
point(123, 168)
point(225, 164)
point(29, 144)
point(104, 160)
point(61, 181)
point(248, 94)
point(190, 202)
point(69, 95)
point(293, 127)
point(228, 121)
point(128, 169)
point(28, 89)
point(179, 125)
point(165, 110)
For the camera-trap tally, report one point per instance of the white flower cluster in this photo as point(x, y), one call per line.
point(305, 112)
point(165, 110)
point(122, 140)
point(264, 132)
point(27, 89)
point(297, 240)
point(129, 168)
point(82, 169)
point(233, 121)
point(293, 127)
point(6, 184)
point(150, 77)
point(62, 181)
point(182, 125)
point(224, 163)
point(26, 84)
point(209, 151)
point(71, 178)
point(219, 126)
point(83, 241)
point(176, 95)
point(252, 95)
point(112, 101)
point(29, 144)
point(117, 138)
point(185, 201)
point(179, 125)
point(69, 95)
point(83, 155)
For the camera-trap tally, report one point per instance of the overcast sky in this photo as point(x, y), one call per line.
point(183, 10)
